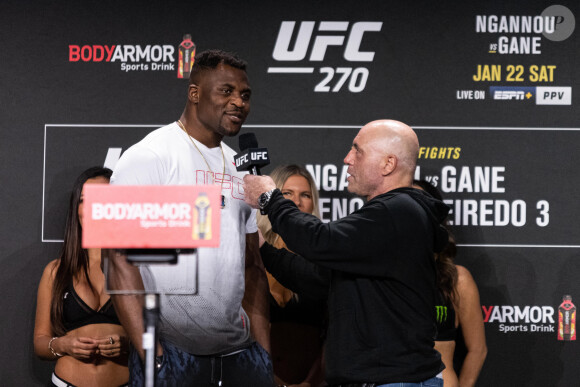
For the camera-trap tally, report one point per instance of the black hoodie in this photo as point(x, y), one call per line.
point(383, 283)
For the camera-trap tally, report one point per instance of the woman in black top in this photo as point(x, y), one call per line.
point(76, 324)
point(458, 307)
point(297, 317)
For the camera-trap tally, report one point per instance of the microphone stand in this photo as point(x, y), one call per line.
point(151, 305)
point(151, 317)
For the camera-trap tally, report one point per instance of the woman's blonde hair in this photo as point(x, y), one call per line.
point(280, 174)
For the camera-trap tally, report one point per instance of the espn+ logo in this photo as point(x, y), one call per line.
point(312, 42)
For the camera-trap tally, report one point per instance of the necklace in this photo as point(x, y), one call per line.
point(180, 124)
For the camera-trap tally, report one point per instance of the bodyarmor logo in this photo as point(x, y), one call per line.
point(341, 36)
point(513, 318)
point(131, 58)
point(515, 314)
point(441, 311)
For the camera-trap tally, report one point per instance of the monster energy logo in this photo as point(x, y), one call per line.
point(441, 313)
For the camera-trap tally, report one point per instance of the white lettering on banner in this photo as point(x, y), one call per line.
point(519, 45)
point(126, 67)
point(143, 211)
point(355, 79)
point(471, 212)
point(527, 319)
point(162, 66)
point(332, 209)
point(515, 314)
point(322, 42)
point(156, 53)
point(542, 328)
point(524, 328)
point(509, 95)
point(485, 212)
point(485, 179)
point(352, 51)
point(357, 82)
point(463, 212)
point(326, 176)
point(327, 179)
point(512, 328)
point(555, 23)
point(514, 24)
point(281, 48)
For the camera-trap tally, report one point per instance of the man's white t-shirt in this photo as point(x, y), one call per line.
point(211, 321)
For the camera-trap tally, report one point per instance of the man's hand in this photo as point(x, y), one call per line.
point(254, 186)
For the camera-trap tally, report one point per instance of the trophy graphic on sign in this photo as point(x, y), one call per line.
point(202, 218)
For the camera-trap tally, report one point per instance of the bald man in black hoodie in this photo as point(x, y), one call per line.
point(382, 288)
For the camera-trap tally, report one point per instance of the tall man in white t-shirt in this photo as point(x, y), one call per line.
point(207, 339)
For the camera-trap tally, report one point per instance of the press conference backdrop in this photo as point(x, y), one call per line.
point(491, 88)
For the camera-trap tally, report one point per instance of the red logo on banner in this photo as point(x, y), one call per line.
point(151, 216)
point(186, 57)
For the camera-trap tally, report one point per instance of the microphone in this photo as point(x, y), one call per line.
point(251, 158)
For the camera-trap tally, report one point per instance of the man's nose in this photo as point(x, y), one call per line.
point(347, 158)
point(237, 100)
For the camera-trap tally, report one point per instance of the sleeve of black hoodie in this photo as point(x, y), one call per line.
point(303, 277)
point(358, 243)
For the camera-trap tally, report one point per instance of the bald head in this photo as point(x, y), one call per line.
point(383, 157)
point(392, 137)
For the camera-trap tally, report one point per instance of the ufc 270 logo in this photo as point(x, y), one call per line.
point(311, 44)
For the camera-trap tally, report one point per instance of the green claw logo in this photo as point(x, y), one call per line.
point(441, 313)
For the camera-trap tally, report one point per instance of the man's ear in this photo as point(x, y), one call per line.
point(389, 164)
point(193, 93)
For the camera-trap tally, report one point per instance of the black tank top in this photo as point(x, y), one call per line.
point(445, 320)
point(76, 313)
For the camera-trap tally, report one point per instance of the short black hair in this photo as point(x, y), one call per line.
point(210, 59)
point(429, 188)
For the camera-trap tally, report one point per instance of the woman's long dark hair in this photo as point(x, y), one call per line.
point(73, 260)
point(446, 270)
